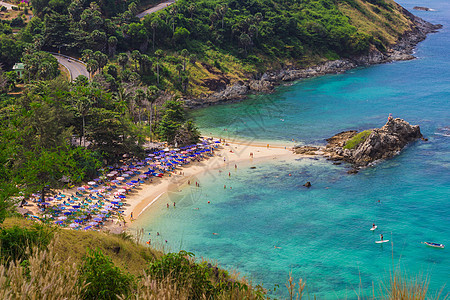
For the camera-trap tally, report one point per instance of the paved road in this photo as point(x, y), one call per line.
point(75, 68)
point(7, 5)
point(155, 8)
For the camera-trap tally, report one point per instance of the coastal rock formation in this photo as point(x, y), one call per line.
point(379, 143)
point(402, 50)
point(422, 8)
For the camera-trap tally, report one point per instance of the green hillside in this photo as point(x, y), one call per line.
point(193, 48)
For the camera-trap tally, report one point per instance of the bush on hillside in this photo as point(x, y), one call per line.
point(105, 281)
point(16, 243)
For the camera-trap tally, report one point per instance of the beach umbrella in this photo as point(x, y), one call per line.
point(75, 206)
point(91, 182)
point(134, 181)
point(94, 191)
point(120, 178)
point(62, 218)
point(217, 142)
point(87, 227)
point(114, 202)
point(151, 155)
point(115, 181)
point(110, 175)
point(45, 203)
point(126, 175)
point(130, 184)
point(93, 223)
point(67, 213)
point(97, 219)
point(72, 210)
point(121, 190)
point(73, 225)
point(81, 188)
point(59, 222)
point(142, 176)
point(121, 196)
point(78, 221)
point(100, 216)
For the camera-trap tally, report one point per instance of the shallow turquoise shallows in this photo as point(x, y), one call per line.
point(323, 232)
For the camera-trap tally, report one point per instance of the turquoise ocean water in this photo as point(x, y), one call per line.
point(323, 232)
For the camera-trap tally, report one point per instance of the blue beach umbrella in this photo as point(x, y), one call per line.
point(87, 227)
point(121, 196)
point(67, 213)
point(97, 219)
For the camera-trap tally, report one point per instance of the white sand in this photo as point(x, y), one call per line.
point(145, 196)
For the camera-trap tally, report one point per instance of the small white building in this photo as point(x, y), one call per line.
point(19, 68)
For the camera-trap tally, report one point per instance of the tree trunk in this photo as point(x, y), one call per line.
point(153, 39)
point(157, 72)
point(82, 134)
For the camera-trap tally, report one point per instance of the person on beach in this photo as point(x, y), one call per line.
point(167, 205)
point(235, 166)
point(174, 204)
point(251, 154)
point(224, 186)
point(229, 174)
point(131, 216)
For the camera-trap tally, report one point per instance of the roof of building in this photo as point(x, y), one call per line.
point(19, 66)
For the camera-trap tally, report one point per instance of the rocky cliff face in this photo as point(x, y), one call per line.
point(381, 143)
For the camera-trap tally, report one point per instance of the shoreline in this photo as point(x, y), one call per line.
point(402, 50)
point(148, 196)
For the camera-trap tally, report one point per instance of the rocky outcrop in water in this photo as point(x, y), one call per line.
point(379, 143)
point(422, 8)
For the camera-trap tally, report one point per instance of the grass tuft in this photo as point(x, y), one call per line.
point(357, 139)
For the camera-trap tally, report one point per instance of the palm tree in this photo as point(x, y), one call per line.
point(92, 66)
point(123, 60)
point(140, 99)
point(185, 54)
point(86, 54)
point(159, 54)
point(151, 95)
point(136, 56)
point(102, 60)
point(179, 68)
point(112, 44)
point(154, 25)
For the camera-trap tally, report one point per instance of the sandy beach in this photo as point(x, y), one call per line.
point(232, 154)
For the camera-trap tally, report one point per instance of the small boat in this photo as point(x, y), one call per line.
point(434, 245)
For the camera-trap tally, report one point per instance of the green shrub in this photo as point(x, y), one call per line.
point(357, 139)
point(105, 281)
point(16, 243)
point(3, 8)
point(187, 274)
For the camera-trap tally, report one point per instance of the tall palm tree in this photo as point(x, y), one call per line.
point(154, 26)
point(122, 58)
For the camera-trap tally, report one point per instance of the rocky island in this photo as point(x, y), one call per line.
point(363, 148)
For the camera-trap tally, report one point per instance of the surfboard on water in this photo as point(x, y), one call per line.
point(373, 228)
point(381, 242)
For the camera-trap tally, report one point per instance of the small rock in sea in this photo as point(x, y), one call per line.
point(337, 163)
point(252, 167)
point(352, 171)
point(424, 139)
point(308, 184)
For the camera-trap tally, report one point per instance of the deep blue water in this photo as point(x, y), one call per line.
point(324, 232)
